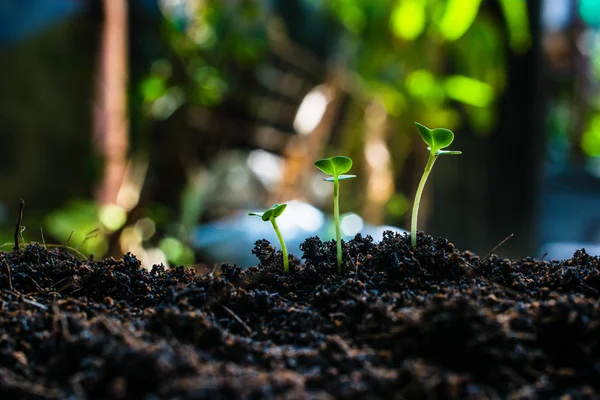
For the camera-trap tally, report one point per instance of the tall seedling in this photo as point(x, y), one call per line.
point(437, 139)
point(336, 167)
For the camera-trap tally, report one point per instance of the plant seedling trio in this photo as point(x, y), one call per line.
point(436, 139)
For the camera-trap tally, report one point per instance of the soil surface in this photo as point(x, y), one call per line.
point(434, 323)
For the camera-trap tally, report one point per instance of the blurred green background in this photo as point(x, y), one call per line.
point(141, 120)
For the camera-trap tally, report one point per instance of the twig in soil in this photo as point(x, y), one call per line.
point(355, 265)
point(23, 228)
point(235, 316)
point(514, 375)
point(37, 285)
point(90, 235)
point(23, 389)
point(69, 248)
point(18, 228)
point(64, 324)
point(584, 286)
point(9, 275)
point(70, 236)
point(34, 303)
point(544, 256)
point(55, 284)
point(496, 247)
point(43, 240)
point(76, 385)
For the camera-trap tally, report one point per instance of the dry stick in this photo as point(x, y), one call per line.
point(69, 248)
point(9, 276)
point(70, 236)
point(37, 285)
point(496, 248)
point(235, 316)
point(34, 303)
point(43, 240)
point(18, 228)
point(23, 228)
point(481, 275)
point(90, 235)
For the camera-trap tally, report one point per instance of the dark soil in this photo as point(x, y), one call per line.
point(434, 323)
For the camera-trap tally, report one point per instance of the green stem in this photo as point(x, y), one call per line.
point(415, 212)
point(286, 261)
point(336, 216)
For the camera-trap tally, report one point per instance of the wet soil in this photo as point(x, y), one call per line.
point(435, 323)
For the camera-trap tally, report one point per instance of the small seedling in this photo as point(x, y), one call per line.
point(437, 139)
point(336, 167)
point(270, 215)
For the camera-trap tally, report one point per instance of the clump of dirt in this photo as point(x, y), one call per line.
point(399, 323)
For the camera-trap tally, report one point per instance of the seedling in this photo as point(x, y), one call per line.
point(437, 139)
point(336, 167)
point(270, 215)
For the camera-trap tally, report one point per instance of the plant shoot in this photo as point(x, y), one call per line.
point(436, 140)
point(270, 215)
point(336, 167)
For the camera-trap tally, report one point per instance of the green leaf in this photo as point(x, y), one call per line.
point(425, 134)
point(437, 138)
point(442, 137)
point(275, 211)
point(335, 165)
point(278, 209)
point(340, 178)
point(448, 152)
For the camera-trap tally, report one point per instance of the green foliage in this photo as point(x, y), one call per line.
point(437, 139)
point(270, 215)
point(336, 166)
point(275, 211)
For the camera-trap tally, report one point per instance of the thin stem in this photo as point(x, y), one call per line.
point(286, 261)
point(336, 216)
point(415, 212)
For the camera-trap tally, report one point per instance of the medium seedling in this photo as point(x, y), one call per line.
point(437, 139)
point(270, 215)
point(336, 167)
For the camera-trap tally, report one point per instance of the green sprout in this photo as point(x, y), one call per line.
point(336, 166)
point(269, 215)
point(437, 139)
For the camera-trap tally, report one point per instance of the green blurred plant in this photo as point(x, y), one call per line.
point(336, 167)
point(270, 215)
point(437, 139)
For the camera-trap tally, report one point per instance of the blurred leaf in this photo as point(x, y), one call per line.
point(458, 18)
point(397, 205)
point(351, 15)
point(408, 19)
point(420, 83)
point(152, 88)
point(176, 252)
point(112, 216)
point(590, 141)
point(469, 91)
point(515, 14)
